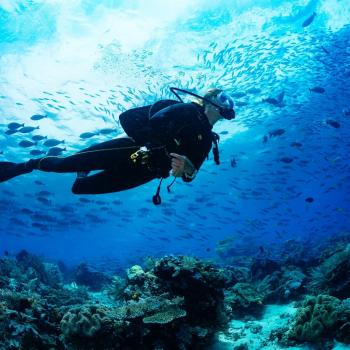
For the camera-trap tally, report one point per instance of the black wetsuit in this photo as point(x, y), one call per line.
point(182, 128)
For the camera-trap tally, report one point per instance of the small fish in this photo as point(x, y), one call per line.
point(106, 131)
point(14, 126)
point(39, 183)
point(26, 211)
point(309, 20)
point(1, 152)
point(238, 94)
point(55, 151)
point(253, 91)
point(277, 132)
point(233, 163)
point(309, 199)
point(10, 131)
point(296, 144)
point(87, 135)
point(318, 89)
point(265, 139)
point(38, 117)
point(286, 160)
point(333, 123)
point(346, 112)
point(27, 129)
point(44, 193)
point(325, 50)
point(38, 137)
point(26, 143)
point(44, 200)
point(271, 101)
point(52, 142)
point(36, 152)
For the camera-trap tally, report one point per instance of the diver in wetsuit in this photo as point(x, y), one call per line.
point(168, 135)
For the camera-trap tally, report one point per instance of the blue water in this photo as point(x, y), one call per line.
point(82, 63)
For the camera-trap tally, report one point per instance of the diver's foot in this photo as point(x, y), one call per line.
point(8, 170)
point(82, 174)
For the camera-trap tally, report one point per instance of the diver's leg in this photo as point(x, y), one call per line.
point(105, 155)
point(107, 181)
point(101, 156)
point(10, 170)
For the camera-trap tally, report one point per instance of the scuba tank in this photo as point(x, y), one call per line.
point(135, 121)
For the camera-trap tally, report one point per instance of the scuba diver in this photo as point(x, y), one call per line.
point(167, 135)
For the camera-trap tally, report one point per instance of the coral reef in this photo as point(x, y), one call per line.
point(165, 306)
point(319, 319)
point(242, 299)
point(175, 302)
point(332, 275)
point(95, 280)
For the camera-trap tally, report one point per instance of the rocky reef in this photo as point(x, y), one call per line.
point(175, 302)
point(164, 306)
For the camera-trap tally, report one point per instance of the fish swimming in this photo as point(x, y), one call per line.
point(52, 142)
point(26, 143)
point(317, 89)
point(346, 112)
point(55, 151)
point(36, 152)
point(271, 100)
point(106, 131)
point(87, 135)
point(333, 123)
point(10, 131)
point(27, 129)
point(44, 193)
point(38, 117)
point(277, 132)
point(309, 20)
point(44, 200)
point(253, 91)
point(38, 137)
point(286, 160)
point(14, 126)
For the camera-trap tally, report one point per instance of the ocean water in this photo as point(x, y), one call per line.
point(285, 160)
point(81, 63)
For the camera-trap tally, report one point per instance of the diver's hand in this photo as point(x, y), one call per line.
point(181, 165)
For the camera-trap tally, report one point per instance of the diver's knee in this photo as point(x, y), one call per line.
point(76, 189)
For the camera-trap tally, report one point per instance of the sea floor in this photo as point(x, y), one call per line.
point(255, 335)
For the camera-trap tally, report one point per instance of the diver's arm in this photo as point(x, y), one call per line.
point(182, 166)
